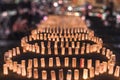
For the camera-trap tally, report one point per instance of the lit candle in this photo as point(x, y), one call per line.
point(61, 77)
point(29, 72)
point(69, 75)
point(35, 75)
point(53, 75)
point(42, 62)
point(117, 71)
point(85, 73)
point(82, 62)
point(35, 60)
point(44, 75)
point(50, 62)
point(58, 64)
point(92, 72)
point(89, 63)
point(5, 69)
point(66, 61)
point(67, 44)
point(76, 74)
point(73, 62)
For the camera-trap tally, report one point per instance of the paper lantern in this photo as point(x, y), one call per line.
point(58, 64)
point(50, 62)
point(35, 61)
point(74, 62)
point(66, 61)
point(29, 72)
point(42, 62)
point(69, 75)
point(76, 74)
point(44, 75)
point(53, 75)
point(61, 76)
point(35, 74)
point(85, 73)
point(5, 69)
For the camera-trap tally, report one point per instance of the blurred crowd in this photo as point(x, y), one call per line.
point(23, 16)
point(20, 17)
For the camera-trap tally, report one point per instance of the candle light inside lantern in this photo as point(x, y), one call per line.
point(56, 51)
point(50, 62)
point(35, 60)
point(117, 71)
point(49, 51)
point(110, 69)
point(43, 50)
point(53, 75)
point(69, 75)
point(66, 61)
point(58, 64)
point(63, 51)
point(42, 62)
point(82, 50)
point(89, 63)
point(76, 51)
point(23, 71)
point(18, 50)
point(74, 62)
point(30, 63)
point(82, 62)
point(14, 52)
point(85, 73)
point(5, 69)
point(35, 74)
point(69, 50)
point(73, 45)
point(61, 77)
point(92, 72)
point(18, 69)
point(23, 63)
point(29, 72)
point(76, 74)
point(44, 75)
point(15, 66)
